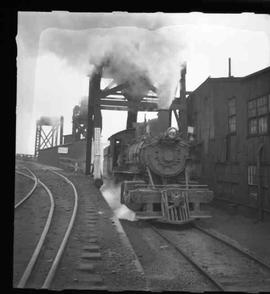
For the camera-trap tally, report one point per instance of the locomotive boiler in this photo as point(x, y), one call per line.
point(155, 167)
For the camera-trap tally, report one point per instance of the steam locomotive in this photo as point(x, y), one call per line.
point(155, 168)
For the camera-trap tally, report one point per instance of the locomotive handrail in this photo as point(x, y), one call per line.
point(150, 177)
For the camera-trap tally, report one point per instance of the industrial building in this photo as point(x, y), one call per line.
point(231, 120)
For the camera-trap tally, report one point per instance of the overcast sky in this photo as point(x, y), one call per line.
point(50, 82)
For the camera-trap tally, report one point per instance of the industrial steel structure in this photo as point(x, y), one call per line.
point(52, 136)
point(117, 98)
point(87, 121)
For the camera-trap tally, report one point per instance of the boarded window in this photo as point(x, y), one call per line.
point(252, 108)
point(232, 107)
point(232, 124)
point(252, 173)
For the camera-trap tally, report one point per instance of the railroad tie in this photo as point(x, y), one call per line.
point(93, 279)
point(92, 229)
point(91, 210)
point(91, 248)
point(91, 255)
point(92, 217)
point(86, 267)
point(91, 282)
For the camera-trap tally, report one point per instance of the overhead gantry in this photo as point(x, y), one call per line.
point(117, 98)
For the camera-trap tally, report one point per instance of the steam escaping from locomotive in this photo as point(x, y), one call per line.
point(111, 192)
point(142, 59)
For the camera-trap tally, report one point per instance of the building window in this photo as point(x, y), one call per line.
point(232, 115)
point(253, 126)
point(262, 105)
point(258, 115)
point(263, 124)
point(252, 175)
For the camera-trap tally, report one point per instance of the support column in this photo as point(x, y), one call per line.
point(131, 118)
point(133, 103)
point(183, 102)
point(94, 91)
point(97, 145)
point(37, 139)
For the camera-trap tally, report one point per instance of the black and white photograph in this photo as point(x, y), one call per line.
point(142, 151)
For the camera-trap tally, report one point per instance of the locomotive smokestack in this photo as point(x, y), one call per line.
point(229, 67)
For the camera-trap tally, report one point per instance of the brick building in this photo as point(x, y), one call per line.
point(231, 117)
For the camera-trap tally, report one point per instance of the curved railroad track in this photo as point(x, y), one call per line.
point(226, 265)
point(36, 258)
point(32, 177)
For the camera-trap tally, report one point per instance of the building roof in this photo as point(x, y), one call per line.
point(232, 79)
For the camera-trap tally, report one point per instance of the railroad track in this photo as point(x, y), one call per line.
point(37, 268)
point(226, 265)
point(32, 176)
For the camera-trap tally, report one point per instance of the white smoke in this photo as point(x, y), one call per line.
point(140, 57)
point(111, 193)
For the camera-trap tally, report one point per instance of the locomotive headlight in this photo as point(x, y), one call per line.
point(171, 133)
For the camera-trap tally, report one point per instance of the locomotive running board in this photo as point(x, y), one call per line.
point(142, 217)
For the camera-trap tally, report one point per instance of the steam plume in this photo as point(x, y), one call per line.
point(111, 193)
point(139, 57)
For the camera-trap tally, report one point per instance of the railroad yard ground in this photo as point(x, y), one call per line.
point(136, 259)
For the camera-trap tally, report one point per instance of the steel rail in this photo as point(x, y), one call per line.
point(244, 251)
point(31, 191)
point(37, 250)
point(236, 203)
point(194, 263)
point(56, 261)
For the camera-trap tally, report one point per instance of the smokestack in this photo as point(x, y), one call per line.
point(230, 67)
point(61, 130)
point(183, 82)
